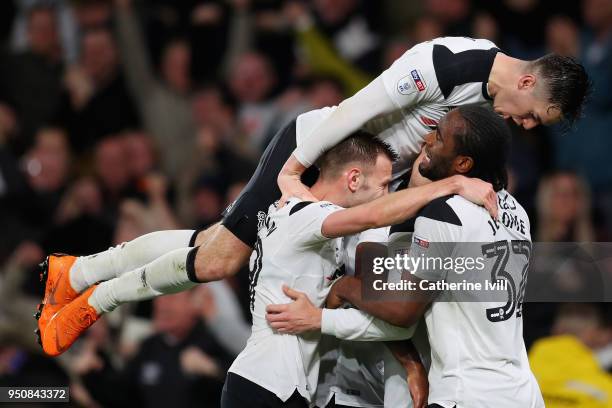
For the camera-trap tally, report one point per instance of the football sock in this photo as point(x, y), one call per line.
point(125, 257)
point(165, 275)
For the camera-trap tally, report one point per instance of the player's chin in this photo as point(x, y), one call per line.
point(424, 168)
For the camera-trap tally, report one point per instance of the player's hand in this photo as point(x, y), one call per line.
point(334, 301)
point(418, 385)
point(290, 183)
point(294, 318)
point(479, 192)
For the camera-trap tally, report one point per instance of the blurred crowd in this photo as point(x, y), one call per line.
point(123, 117)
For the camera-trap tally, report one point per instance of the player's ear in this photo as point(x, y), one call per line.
point(463, 164)
point(354, 179)
point(526, 81)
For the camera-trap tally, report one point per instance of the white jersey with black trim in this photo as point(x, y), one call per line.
point(359, 380)
point(290, 250)
point(478, 356)
point(366, 374)
point(411, 96)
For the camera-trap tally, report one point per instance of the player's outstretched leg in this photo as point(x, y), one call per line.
point(65, 276)
point(221, 256)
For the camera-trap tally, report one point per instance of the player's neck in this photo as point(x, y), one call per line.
point(505, 71)
point(327, 192)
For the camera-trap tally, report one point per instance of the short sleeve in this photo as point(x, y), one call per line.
point(307, 218)
point(411, 79)
point(374, 235)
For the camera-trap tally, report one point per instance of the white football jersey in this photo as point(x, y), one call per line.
point(361, 373)
point(478, 356)
point(424, 84)
point(359, 380)
point(290, 250)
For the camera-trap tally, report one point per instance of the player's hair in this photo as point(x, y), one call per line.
point(486, 139)
point(567, 84)
point(360, 147)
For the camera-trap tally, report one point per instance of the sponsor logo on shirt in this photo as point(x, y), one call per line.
point(421, 242)
point(416, 77)
point(429, 121)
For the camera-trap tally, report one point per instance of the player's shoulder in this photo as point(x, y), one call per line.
point(509, 204)
point(459, 44)
point(441, 210)
point(297, 207)
point(467, 210)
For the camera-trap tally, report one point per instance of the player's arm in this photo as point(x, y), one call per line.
point(431, 227)
point(398, 313)
point(395, 88)
point(409, 358)
point(346, 324)
point(350, 115)
point(353, 324)
point(401, 205)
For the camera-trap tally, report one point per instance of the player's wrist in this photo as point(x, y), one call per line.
point(456, 184)
point(317, 318)
point(347, 287)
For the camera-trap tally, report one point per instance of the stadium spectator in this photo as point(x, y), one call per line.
point(182, 356)
point(96, 102)
point(113, 171)
point(163, 101)
point(17, 302)
point(30, 80)
point(252, 82)
point(212, 81)
point(564, 209)
point(563, 216)
point(578, 353)
point(30, 209)
point(585, 149)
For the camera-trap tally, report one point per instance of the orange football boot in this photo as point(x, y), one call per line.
point(55, 275)
point(68, 324)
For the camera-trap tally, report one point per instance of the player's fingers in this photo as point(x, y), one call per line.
point(492, 204)
point(278, 326)
point(489, 208)
point(292, 293)
point(277, 317)
point(277, 308)
point(286, 329)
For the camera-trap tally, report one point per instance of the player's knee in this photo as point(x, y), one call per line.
point(201, 237)
point(204, 235)
point(213, 268)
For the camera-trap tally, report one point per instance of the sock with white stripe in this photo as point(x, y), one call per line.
point(165, 275)
point(115, 261)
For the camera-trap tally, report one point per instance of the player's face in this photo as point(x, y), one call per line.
point(376, 181)
point(440, 149)
point(526, 105)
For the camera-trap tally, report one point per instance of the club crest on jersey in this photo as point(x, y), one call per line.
point(406, 86)
point(264, 222)
point(416, 77)
point(420, 242)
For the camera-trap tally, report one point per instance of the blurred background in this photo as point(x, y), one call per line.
point(119, 118)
